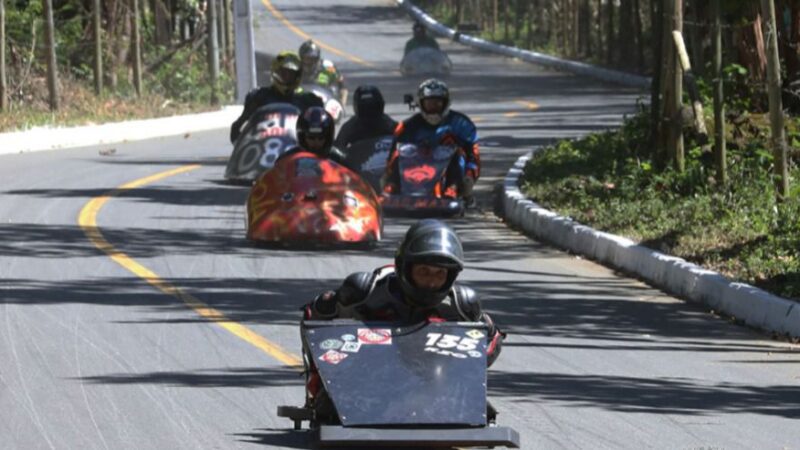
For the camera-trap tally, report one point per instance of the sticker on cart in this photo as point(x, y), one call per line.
point(333, 357)
point(351, 347)
point(375, 336)
point(474, 334)
point(330, 344)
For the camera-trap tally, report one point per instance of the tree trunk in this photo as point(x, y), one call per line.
point(624, 40)
point(3, 85)
point(778, 135)
point(506, 20)
point(674, 81)
point(50, 40)
point(751, 48)
point(529, 31)
point(639, 35)
point(137, 48)
point(213, 49)
point(610, 33)
point(793, 39)
point(656, 102)
point(494, 18)
point(98, 46)
point(720, 157)
point(161, 23)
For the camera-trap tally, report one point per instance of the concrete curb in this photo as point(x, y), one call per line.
point(757, 308)
point(575, 67)
point(111, 133)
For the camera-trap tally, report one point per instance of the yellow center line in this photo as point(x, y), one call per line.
point(279, 15)
point(87, 219)
point(533, 106)
point(511, 114)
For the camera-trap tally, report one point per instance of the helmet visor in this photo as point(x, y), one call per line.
point(288, 76)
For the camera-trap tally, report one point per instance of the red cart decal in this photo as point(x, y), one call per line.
point(375, 336)
point(333, 357)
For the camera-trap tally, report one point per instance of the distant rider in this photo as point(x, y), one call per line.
point(285, 73)
point(419, 287)
point(436, 124)
point(321, 71)
point(369, 122)
point(315, 129)
point(420, 39)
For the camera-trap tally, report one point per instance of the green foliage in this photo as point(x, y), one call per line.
point(610, 181)
point(185, 78)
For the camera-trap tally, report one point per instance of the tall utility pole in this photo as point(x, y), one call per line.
point(778, 136)
point(3, 86)
point(720, 157)
point(50, 40)
point(245, 49)
point(98, 49)
point(213, 48)
point(137, 50)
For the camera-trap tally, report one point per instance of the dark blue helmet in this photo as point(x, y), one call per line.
point(315, 121)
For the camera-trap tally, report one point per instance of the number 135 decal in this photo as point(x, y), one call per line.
point(449, 341)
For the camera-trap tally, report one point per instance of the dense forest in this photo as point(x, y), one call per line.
point(165, 50)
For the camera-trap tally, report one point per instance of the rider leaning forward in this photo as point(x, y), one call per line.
point(420, 39)
point(323, 72)
point(436, 124)
point(315, 129)
point(421, 286)
point(285, 75)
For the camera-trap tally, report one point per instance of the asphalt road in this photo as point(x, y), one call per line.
point(176, 341)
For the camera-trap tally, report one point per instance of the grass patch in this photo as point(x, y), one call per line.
point(610, 182)
point(79, 106)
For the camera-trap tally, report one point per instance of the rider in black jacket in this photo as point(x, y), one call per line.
point(420, 287)
point(369, 121)
point(285, 74)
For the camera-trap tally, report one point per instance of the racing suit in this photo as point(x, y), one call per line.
point(326, 74)
point(418, 42)
point(360, 128)
point(456, 128)
point(265, 95)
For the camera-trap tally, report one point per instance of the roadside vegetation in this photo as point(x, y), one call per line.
point(171, 76)
point(611, 182)
point(708, 172)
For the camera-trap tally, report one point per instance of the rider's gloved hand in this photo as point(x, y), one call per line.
point(325, 304)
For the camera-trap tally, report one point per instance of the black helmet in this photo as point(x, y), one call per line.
point(368, 102)
point(315, 121)
point(433, 88)
point(309, 54)
point(418, 28)
point(432, 242)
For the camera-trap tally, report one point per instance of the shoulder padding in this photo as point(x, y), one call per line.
point(355, 288)
point(467, 303)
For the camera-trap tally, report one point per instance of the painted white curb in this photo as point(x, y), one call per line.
point(45, 138)
point(754, 306)
point(575, 67)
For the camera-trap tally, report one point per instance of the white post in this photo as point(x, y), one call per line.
point(245, 48)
